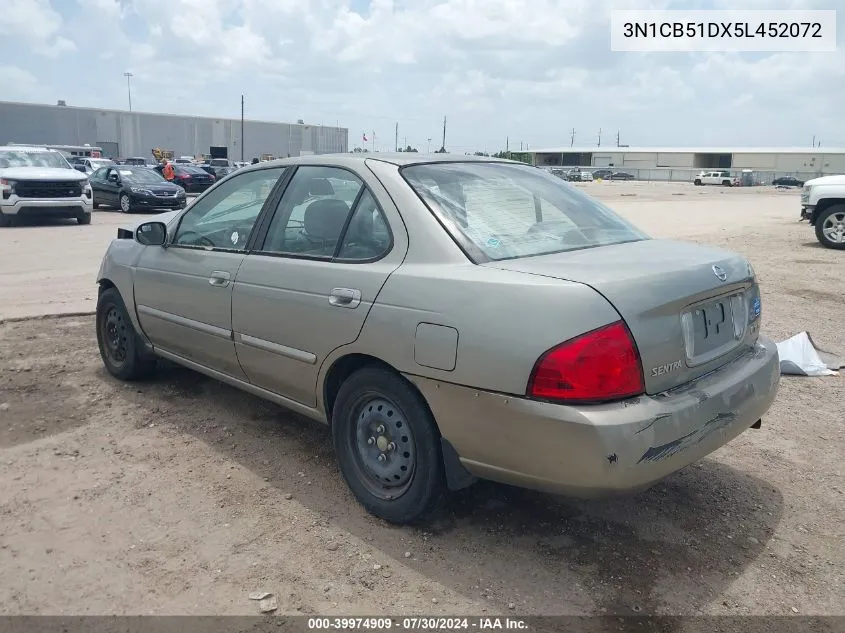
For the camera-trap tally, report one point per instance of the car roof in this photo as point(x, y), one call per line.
point(357, 159)
point(27, 148)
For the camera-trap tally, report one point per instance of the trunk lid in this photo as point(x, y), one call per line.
point(679, 300)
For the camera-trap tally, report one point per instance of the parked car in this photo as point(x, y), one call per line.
point(723, 178)
point(184, 160)
point(191, 178)
point(39, 182)
point(586, 176)
point(130, 188)
point(93, 164)
point(591, 359)
point(823, 205)
point(788, 181)
point(573, 175)
point(602, 174)
point(621, 175)
point(139, 161)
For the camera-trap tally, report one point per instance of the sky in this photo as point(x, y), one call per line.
point(522, 72)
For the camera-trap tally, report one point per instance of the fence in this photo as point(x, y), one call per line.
point(668, 174)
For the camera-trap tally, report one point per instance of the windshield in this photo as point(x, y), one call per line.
point(23, 158)
point(96, 163)
point(503, 211)
point(141, 176)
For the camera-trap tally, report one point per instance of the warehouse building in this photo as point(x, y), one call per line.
point(122, 134)
point(672, 163)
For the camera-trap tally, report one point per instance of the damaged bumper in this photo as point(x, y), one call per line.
point(590, 451)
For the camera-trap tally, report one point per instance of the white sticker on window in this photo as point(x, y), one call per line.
point(124, 172)
point(235, 237)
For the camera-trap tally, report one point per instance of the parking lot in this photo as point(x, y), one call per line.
point(183, 496)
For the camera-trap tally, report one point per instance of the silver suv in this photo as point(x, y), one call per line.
point(39, 182)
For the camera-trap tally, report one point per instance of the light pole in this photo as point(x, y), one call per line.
point(129, 88)
point(428, 149)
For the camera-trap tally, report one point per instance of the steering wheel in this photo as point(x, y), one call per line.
point(201, 240)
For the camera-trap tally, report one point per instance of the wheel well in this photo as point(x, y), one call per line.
point(105, 284)
point(824, 203)
point(341, 370)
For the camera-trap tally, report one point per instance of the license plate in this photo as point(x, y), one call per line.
point(709, 328)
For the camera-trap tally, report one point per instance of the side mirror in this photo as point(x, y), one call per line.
point(151, 234)
point(80, 168)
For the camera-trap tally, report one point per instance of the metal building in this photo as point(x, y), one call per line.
point(674, 163)
point(122, 134)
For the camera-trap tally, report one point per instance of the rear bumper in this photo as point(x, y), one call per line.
point(40, 207)
point(605, 449)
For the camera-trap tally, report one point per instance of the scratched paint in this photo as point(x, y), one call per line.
point(664, 451)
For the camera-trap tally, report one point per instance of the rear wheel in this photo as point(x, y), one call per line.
point(697, 182)
point(118, 341)
point(125, 203)
point(830, 227)
point(387, 445)
point(6, 219)
point(84, 218)
point(727, 183)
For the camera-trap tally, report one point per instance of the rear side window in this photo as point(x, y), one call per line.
point(501, 211)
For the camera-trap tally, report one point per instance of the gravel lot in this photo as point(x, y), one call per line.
point(183, 496)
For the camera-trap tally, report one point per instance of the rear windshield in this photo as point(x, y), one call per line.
point(193, 170)
point(501, 211)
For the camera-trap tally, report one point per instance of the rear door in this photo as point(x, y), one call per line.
point(331, 245)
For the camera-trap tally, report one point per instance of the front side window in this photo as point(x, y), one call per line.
point(225, 216)
point(313, 212)
point(501, 211)
point(141, 176)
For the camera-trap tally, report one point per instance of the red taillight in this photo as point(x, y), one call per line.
point(598, 366)
point(184, 177)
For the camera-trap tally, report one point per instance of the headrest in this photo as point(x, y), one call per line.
point(324, 219)
point(320, 187)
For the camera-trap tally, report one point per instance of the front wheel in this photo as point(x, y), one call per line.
point(6, 219)
point(387, 445)
point(727, 183)
point(696, 182)
point(118, 342)
point(125, 203)
point(830, 227)
point(83, 218)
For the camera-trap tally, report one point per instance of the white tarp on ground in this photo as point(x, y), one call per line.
point(799, 356)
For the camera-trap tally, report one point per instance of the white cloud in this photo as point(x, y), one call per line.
point(526, 69)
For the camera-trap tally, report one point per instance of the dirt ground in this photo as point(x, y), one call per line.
point(182, 496)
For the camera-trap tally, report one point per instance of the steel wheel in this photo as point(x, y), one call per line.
point(125, 203)
point(383, 446)
point(115, 336)
point(833, 227)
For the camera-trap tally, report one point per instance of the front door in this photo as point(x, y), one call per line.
point(183, 292)
point(309, 286)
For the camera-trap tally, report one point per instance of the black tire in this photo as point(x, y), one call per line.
point(120, 347)
point(415, 460)
point(127, 208)
point(96, 205)
point(83, 218)
point(696, 182)
point(837, 210)
point(6, 220)
point(727, 183)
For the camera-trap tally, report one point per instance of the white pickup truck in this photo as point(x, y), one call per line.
point(823, 205)
point(716, 177)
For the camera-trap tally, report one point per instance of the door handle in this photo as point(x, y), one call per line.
point(345, 297)
point(219, 278)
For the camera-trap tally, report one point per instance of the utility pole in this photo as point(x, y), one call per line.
point(508, 144)
point(599, 145)
point(396, 138)
point(814, 140)
point(374, 140)
point(242, 130)
point(129, 88)
point(428, 148)
point(443, 147)
point(572, 138)
point(617, 138)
